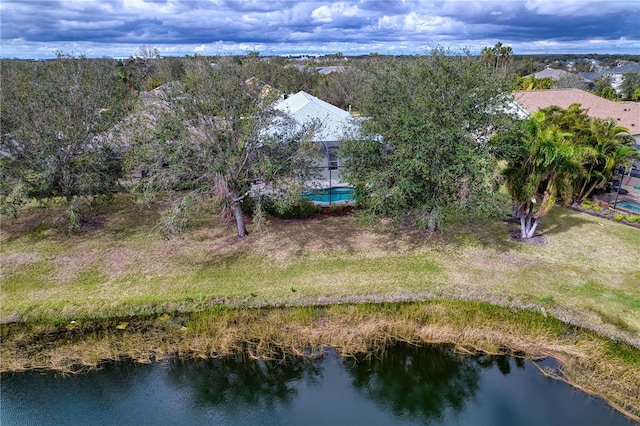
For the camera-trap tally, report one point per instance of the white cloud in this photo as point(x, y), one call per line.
point(322, 14)
point(184, 26)
point(327, 14)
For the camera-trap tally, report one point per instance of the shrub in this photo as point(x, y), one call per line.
point(618, 216)
point(301, 208)
point(587, 204)
point(597, 208)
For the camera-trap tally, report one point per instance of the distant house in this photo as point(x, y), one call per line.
point(616, 74)
point(555, 75)
point(329, 70)
point(626, 114)
point(552, 73)
point(321, 70)
point(335, 125)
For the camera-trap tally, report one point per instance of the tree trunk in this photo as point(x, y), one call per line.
point(431, 221)
point(528, 224)
point(237, 213)
point(523, 226)
point(532, 230)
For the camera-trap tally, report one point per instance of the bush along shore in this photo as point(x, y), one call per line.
point(588, 361)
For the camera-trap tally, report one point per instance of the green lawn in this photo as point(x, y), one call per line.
point(588, 272)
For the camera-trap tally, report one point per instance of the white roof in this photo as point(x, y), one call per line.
point(305, 109)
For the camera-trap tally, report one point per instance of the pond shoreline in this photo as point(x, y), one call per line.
point(590, 362)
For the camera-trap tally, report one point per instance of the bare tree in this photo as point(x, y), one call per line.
point(219, 137)
point(147, 52)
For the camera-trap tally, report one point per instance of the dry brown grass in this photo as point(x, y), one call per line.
point(588, 361)
point(586, 274)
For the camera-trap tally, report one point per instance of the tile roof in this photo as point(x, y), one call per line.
point(626, 114)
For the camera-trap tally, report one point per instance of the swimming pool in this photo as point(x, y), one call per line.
point(629, 205)
point(340, 194)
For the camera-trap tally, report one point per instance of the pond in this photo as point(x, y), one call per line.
point(408, 386)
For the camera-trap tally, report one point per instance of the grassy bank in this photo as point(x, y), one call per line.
point(66, 294)
point(587, 273)
point(589, 361)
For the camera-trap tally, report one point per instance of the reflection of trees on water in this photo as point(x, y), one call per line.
point(503, 362)
point(240, 381)
point(421, 383)
point(416, 382)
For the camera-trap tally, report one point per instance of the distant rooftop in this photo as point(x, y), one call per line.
point(552, 73)
point(626, 114)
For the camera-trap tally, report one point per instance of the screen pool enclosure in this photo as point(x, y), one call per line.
point(332, 195)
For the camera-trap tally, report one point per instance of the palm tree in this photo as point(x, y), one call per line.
point(608, 145)
point(497, 55)
point(505, 52)
point(543, 170)
point(530, 82)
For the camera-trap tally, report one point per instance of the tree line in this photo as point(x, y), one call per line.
point(436, 132)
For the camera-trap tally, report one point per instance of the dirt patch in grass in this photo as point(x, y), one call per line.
point(119, 269)
point(70, 266)
point(17, 259)
point(536, 240)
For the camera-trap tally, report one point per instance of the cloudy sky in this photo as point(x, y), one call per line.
point(117, 28)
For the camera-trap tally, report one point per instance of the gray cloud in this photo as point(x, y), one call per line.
point(118, 27)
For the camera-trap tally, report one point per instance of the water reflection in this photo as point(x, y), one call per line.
point(417, 383)
point(242, 381)
point(409, 385)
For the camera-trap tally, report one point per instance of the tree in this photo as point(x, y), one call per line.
point(279, 75)
point(57, 123)
point(630, 86)
point(147, 52)
point(570, 81)
point(601, 143)
point(611, 145)
point(583, 65)
point(219, 136)
point(432, 114)
point(342, 89)
point(525, 65)
point(497, 56)
point(530, 82)
point(603, 87)
point(541, 164)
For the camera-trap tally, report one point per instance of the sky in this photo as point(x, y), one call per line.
point(119, 28)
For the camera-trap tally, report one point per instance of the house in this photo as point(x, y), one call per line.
point(626, 114)
point(334, 123)
point(329, 70)
point(321, 70)
point(552, 73)
point(615, 74)
point(557, 75)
